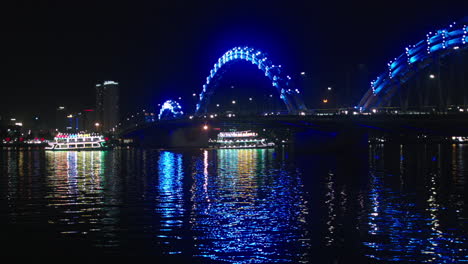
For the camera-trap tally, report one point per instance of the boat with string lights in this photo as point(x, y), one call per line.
point(79, 141)
point(240, 140)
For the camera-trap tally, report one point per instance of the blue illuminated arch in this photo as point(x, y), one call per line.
point(416, 57)
point(290, 96)
point(169, 110)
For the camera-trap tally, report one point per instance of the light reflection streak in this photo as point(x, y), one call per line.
point(205, 173)
point(169, 201)
point(76, 196)
point(12, 172)
point(249, 213)
point(399, 229)
point(331, 214)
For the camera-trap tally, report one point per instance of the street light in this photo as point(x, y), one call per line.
point(329, 88)
point(432, 76)
point(233, 101)
point(302, 73)
point(325, 101)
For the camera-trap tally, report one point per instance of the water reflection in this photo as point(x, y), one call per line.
point(79, 200)
point(336, 206)
point(169, 200)
point(403, 203)
point(246, 210)
point(401, 224)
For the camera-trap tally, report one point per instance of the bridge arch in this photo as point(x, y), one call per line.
point(170, 110)
point(416, 57)
point(288, 94)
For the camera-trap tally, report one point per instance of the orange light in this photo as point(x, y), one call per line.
point(205, 127)
point(325, 101)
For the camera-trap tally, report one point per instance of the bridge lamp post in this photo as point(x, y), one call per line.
point(329, 93)
point(234, 103)
point(253, 109)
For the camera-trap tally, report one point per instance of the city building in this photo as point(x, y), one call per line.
point(61, 119)
point(88, 120)
point(84, 121)
point(107, 105)
point(73, 123)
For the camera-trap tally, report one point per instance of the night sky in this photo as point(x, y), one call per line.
point(54, 52)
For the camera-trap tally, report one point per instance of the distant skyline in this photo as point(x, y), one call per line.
point(55, 53)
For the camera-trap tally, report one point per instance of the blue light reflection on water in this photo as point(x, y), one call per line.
point(246, 211)
point(169, 200)
point(413, 224)
point(394, 203)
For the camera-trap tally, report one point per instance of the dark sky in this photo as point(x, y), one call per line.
point(54, 52)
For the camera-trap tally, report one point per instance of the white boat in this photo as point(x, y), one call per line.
point(79, 141)
point(240, 140)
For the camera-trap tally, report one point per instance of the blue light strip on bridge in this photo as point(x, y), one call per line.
point(172, 106)
point(442, 42)
point(288, 94)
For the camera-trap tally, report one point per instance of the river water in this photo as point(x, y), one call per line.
point(392, 203)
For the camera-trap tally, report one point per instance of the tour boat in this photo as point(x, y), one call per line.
point(240, 139)
point(79, 141)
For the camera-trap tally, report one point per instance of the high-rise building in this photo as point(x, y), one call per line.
point(73, 123)
point(88, 120)
point(61, 121)
point(107, 105)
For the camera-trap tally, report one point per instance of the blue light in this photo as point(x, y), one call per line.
point(400, 66)
point(170, 199)
point(173, 107)
point(294, 105)
point(253, 231)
